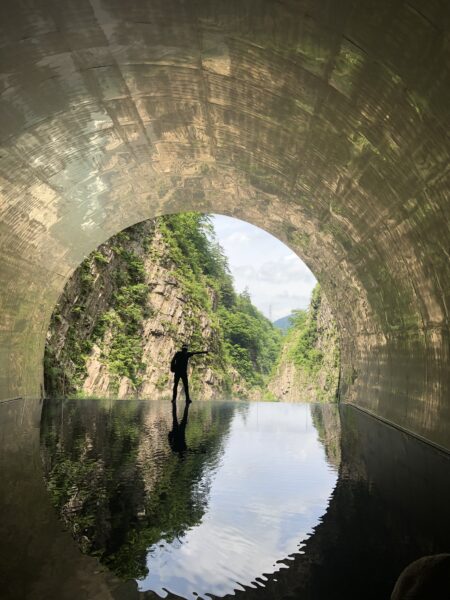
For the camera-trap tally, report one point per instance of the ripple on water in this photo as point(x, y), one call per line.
point(218, 517)
point(270, 486)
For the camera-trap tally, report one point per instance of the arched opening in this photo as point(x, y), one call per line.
point(376, 331)
point(289, 117)
point(169, 281)
point(326, 125)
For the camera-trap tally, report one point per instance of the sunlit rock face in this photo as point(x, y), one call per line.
point(324, 123)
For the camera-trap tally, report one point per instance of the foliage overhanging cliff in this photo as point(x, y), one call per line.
point(307, 369)
point(133, 301)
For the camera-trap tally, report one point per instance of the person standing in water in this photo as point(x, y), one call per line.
point(179, 366)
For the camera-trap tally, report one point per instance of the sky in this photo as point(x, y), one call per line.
point(277, 280)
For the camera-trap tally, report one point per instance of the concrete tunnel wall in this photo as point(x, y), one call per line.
point(325, 123)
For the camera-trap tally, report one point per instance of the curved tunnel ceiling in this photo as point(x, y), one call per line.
point(325, 123)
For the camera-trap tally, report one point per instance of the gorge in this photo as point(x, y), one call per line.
point(165, 282)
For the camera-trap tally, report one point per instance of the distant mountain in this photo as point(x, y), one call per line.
point(284, 323)
point(308, 367)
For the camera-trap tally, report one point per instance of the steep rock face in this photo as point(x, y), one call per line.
point(131, 280)
point(288, 383)
point(314, 377)
point(162, 332)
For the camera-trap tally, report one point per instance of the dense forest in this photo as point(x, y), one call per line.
point(142, 294)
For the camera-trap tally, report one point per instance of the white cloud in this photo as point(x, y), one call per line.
point(237, 238)
point(277, 279)
point(245, 271)
point(285, 271)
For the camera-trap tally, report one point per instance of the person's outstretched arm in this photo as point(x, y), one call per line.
point(199, 352)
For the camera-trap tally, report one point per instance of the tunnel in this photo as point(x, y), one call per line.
point(325, 124)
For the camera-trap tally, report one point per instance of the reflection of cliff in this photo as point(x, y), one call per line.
point(39, 560)
point(327, 421)
point(116, 483)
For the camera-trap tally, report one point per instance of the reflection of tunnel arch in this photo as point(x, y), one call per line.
point(324, 124)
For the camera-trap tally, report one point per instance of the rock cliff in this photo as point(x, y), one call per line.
point(127, 309)
point(308, 365)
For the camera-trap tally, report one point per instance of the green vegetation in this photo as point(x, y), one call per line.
point(304, 352)
point(311, 346)
point(243, 344)
point(327, 423)
point(244, 338)
point(66, 372)
point(251, 341)
point(88, 320)
point(124, 320)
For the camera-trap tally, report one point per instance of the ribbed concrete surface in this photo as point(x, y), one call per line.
point(324, 122)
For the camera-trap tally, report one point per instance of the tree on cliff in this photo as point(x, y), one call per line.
point(107, 313)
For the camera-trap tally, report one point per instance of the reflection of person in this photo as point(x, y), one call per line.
point(177, 437)
point(179, 366)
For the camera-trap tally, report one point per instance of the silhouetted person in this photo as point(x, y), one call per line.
point(179, 366)
point(427, 578)
point(177, 437)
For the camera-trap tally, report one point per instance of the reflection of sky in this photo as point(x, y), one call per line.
point(268, 493)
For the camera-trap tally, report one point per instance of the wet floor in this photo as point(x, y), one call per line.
point(259, 500)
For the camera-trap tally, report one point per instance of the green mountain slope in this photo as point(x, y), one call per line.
point(136, 299)
point(283, 323)
point(308, 366)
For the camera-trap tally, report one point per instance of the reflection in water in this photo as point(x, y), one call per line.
point(115, 480)
point(249, 503)
point(177, 437)
point(269, 490)
point(212, 519)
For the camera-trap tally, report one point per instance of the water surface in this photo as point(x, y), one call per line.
point(264, 493)
point(252, 500)
point(231, 505)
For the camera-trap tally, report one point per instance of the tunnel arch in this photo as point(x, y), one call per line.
point(326, 125)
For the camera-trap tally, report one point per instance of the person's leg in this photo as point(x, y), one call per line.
point(186, 386)
point(176, 379)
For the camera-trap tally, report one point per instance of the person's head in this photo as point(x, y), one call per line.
point(184, 348)
point(427, 578)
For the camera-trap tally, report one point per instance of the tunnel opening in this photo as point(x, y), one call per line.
point(167, 282)
point(298, 118)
